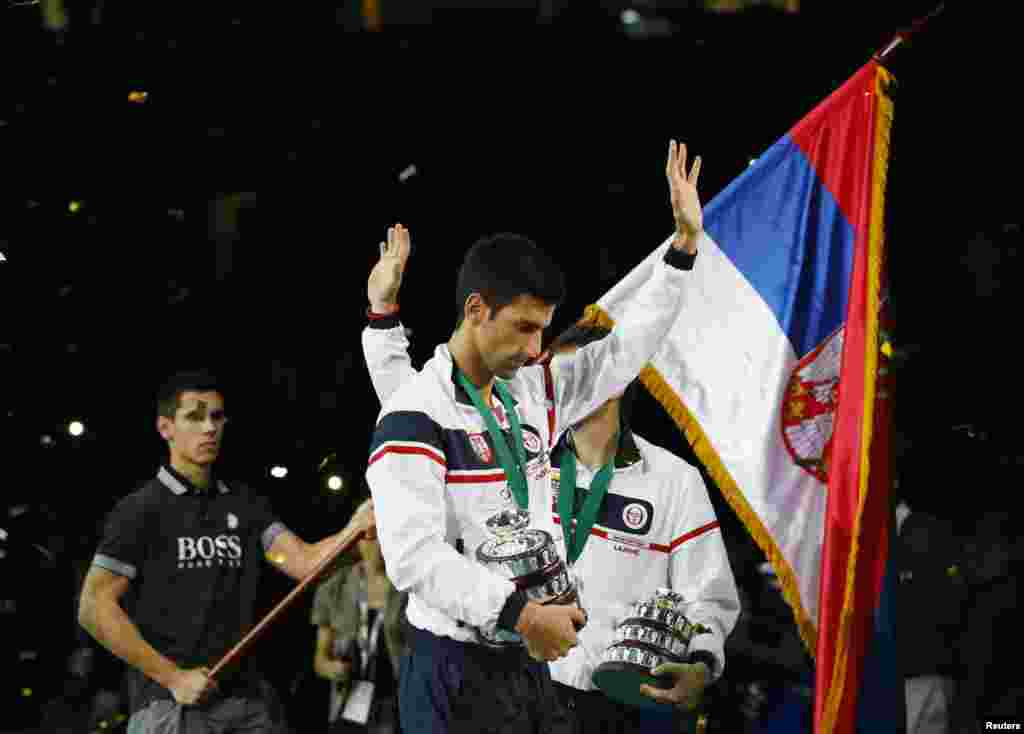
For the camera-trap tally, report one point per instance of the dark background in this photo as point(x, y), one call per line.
point(231, 220)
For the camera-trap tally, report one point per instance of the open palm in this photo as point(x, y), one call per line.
point(686, 207)
point(386, 277)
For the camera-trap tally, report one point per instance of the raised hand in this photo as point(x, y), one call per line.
point(386, 276)
point(686, 207)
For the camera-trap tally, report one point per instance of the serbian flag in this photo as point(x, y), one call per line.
point(776, 373)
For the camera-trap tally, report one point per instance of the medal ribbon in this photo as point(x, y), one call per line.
point(576, 536)
point(514, 466)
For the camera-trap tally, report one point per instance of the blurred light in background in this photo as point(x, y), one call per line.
point(335, 483)
point(407, 173)
point(75, 428)
point(279, 472)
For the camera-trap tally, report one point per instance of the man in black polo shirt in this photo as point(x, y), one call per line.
point(190, 547)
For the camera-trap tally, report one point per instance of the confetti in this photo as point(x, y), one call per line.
point(137, 97)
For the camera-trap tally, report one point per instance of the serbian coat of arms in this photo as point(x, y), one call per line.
point(809, 406)
point(812, 394)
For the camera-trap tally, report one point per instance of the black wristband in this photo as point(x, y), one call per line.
point(509, 617)
point(382, 321)
point(679, 259)
point(703, 656)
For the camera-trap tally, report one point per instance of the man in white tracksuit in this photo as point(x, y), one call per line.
point(435, 481)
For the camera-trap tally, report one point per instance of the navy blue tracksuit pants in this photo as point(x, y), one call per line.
point(450, 687)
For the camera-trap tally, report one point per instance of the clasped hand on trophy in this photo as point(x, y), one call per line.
point(689, 682)
point(549, 630)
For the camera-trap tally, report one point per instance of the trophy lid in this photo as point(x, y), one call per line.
point(508, 522)
point(665, 598)
point(513, 546)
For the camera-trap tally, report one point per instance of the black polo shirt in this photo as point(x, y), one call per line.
point(195, 560)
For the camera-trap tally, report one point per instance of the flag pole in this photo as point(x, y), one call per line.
point(904, 35)
point(318, 572)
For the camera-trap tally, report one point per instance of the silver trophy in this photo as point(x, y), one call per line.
point(527, 557)
point(654, 632)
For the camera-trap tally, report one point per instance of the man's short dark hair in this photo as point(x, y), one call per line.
point(168, 398)
point(579, 335)
point(503, 267)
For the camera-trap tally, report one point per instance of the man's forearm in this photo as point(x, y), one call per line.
point(110, 626)
point(387, 356)
point(588, 378)
point(325, 547)
point(317, 552)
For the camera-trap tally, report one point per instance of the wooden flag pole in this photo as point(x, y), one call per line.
point(318, 572)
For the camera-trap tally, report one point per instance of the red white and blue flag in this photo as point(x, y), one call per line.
point(777, 373)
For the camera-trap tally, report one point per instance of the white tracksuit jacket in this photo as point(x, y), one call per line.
point(432, 488)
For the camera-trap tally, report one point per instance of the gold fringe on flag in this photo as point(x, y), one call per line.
point(876, 240)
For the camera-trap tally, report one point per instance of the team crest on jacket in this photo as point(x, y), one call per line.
point(479, 443)
point(634, 515)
